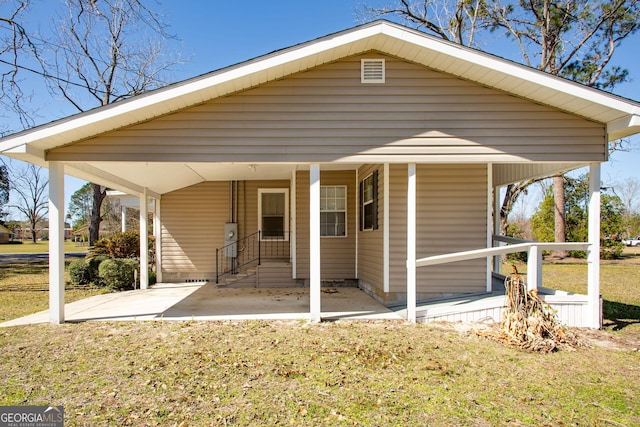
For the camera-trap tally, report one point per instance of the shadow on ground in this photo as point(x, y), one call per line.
point(619, 315)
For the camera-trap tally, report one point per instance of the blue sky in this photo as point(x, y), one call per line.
point(214, 34)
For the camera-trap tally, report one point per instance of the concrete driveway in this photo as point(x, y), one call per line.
point(203, 301)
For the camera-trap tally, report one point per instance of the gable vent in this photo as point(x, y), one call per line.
point(372, 71)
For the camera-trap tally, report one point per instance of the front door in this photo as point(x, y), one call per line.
point(273, 222)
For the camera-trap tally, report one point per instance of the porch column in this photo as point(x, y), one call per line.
point(314, 241)
point(534, 268)
point(593, 255)
point(497, 206)
point(411, 243)
point(123, 217)
point(56, 243)
point(157, 232)
point(385, 228)
point(144, 241)
point(293, 232)
point(490, 260)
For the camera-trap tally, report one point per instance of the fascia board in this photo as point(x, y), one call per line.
point(624, 127)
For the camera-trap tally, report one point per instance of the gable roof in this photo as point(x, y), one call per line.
point(621, 116)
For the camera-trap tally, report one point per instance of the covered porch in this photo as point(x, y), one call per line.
point(204, 301)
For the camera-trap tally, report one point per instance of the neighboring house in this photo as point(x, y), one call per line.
point(5, 234)
point(24, 233)
point(371, 155)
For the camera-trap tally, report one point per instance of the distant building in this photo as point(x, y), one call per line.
point(5, 234)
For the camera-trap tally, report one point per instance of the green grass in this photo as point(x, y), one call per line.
point(340, 373)
point(293, 373)
point(619, 287)
point(24, 289)
point(28, 247)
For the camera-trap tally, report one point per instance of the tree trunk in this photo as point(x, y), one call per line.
point(99, 193)
point(34, 232)
point(559, 214)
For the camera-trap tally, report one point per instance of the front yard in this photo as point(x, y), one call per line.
point(340, 373)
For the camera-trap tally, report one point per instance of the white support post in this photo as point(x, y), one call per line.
point(497, 206)
point(534, 268)
point(56, 243)
point(314, 242)
point(489, 225)
point(411, 243)
point(123, 218)
point(593, 255)
point(356, 225)
point(157, 233)
point(293, 241)
point(385, 228)
point(144, 241)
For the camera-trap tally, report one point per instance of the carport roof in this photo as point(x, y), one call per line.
point(621, 116)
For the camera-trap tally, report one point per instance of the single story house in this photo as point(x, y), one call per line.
point(5, 234)
point(373, 155)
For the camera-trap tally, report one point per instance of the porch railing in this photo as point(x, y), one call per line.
point(251, 249)
point(533, 249)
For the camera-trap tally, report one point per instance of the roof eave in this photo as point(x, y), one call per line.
point(619, 114)
point(624, 127)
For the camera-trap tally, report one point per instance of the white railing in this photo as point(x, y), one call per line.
point(534, 258)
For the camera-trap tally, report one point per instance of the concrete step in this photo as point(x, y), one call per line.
point(275, 275)
point(244, 279)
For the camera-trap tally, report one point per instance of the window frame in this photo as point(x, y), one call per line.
point(373, 201)
point(285, 232)
point(345, 211)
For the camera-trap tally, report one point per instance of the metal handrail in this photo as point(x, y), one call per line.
point(250, 249)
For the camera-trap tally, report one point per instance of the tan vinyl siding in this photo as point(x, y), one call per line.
point(193, 226)
point(193, 221)
point(370, 248)
point(451, 217)
point(337, 254)
point(326, 114)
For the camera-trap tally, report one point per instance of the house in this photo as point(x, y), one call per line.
point(5, 234)
point(373, 155)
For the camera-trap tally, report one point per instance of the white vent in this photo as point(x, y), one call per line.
point(372, 71)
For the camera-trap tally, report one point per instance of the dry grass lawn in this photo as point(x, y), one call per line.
point(340, 373)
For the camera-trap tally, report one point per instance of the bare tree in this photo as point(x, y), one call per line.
point(30, 184)
point(113, 49)
point(629, 192)
point(15, 46)
point(454, 20)
point(575, 39)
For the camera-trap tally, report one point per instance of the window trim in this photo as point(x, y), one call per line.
point(346, 212)
point(284, 191)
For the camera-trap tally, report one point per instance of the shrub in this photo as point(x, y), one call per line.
point(94, 264)
point(119, 245)
point(118, 274)
point(611, 249)
point(80, 272)
point(122, 245)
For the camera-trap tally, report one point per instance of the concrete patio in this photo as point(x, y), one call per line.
point(203, 301)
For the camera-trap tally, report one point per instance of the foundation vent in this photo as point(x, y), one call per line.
point(372, 71)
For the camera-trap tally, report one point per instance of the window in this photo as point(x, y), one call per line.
point(369, 202)
point(333, 211)
point(273, 213)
